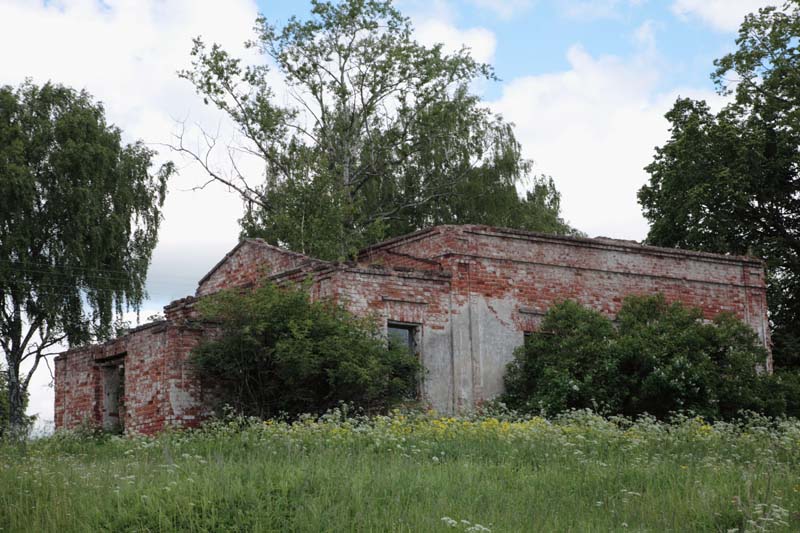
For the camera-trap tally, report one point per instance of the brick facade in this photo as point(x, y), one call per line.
point(469, 293)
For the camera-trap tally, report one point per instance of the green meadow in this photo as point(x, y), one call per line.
point(412, 472)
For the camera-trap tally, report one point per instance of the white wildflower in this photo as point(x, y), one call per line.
point(449, 521)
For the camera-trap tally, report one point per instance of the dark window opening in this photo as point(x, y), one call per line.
point(406, 335)
point(403, 335)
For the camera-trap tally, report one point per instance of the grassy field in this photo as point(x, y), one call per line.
point(412, 472)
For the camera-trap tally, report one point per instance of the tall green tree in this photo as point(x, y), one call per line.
point(79, 216)
point(378, 135)
point(730, 181)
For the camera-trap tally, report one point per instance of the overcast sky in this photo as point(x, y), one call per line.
point(586, 82)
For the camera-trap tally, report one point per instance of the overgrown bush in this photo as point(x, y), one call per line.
point(657, 358)
point(277, 352)
point(782, 393)
point(569, 362)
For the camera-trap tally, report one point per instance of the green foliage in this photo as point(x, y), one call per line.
point(5, 409)
point(278, 352)
point(781, 392)
point(79, 216)
point(659, 358)
point(673, 361)
point(568, 363)
point(728, 182)
point(380, 138)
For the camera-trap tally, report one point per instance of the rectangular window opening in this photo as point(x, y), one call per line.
point(403, 335)
point(406, 335)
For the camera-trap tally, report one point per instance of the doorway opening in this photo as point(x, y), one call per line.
point(114, 396)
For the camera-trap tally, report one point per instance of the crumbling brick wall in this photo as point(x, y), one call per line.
point(469, 293)
point(76, 387)
point(539, 270)
point(249, 261)
point(503, 281)
point(160, 388)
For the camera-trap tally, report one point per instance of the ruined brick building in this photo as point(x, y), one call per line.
point(461, 296)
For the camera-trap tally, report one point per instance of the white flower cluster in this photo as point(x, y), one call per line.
point(468, 526)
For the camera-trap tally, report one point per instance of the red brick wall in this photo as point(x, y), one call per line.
point(503, 281)
point(76, 379)
point(420, 299)
point(250, 261)
point(538, 270)
point(79, 381)
point(471, 291)
point(160, 388)
point(185, 403)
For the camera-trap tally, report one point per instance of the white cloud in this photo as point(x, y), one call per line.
point(504, 8)
point(480, 41)
point(645, 37)
point(126, 53)
point(434, 22)
point(723, 15)
point(593, 127)
point(594, 9)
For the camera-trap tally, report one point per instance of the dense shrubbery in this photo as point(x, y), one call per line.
point(568, 363)
point(658, 358)
point(782, 390)
point(279, 353)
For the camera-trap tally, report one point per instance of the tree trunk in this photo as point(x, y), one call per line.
point(16, 398)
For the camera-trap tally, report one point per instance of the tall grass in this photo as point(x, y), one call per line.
point(412, 472)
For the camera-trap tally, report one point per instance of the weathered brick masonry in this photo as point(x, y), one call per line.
point(465, 295)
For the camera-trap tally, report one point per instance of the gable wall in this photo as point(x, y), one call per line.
point(247, 264)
